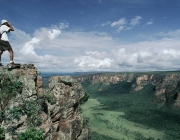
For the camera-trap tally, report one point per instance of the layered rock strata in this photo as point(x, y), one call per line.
point(55, 109)
point(166, 85)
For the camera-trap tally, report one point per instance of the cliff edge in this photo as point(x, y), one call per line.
point(167, 84)
point(25, 104)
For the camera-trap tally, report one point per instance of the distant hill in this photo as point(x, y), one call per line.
point(166, 83)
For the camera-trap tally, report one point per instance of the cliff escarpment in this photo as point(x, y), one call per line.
point(26, 108)
point(166, 84)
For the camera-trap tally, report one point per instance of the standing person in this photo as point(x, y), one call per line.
point(5, 28)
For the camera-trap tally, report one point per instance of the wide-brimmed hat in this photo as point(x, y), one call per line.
point(3, 21)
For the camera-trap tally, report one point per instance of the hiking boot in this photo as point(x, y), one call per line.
point(12, 63)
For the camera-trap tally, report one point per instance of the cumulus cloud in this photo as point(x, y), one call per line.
point(29, 46)
point(21, 36)
point(54, 33)
point(51, 50)
point(146, 60)
point(93, 63)
point(172, 52)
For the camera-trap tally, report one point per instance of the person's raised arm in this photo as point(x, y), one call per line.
point(10, 26)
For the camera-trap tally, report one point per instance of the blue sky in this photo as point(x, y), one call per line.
point(96, 35)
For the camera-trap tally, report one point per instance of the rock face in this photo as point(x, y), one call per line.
point(167, 85)
point(55, 110)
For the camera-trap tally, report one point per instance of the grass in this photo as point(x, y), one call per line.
point(113, 124)
point(151, 119)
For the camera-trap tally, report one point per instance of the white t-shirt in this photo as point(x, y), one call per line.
point(4, 29)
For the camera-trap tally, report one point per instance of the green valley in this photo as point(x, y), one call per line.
point(118, 112)
point(132, 106)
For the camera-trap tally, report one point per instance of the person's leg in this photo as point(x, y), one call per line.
point(11, 55)
point(1, 52)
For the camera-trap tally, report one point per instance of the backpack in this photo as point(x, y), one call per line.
point(1, 35)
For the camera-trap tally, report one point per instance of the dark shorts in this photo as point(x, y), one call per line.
point(4, 45)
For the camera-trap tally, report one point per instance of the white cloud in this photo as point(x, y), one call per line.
point(89, 52)
point(84, 51)
point(118, 23)
point(106, 23)
point(146, 60)
point(54, 33)
point(122, 24)
point(90, 62)
point(149, 23)
point(63, 25)
point(29, 47)
point(19, 35)
point(172, 52)
point(120, 28)
point(135, 21)
point(97, 55)
point(171, 34)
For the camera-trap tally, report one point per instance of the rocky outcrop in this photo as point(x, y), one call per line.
point(166, 84)
point(55, 110)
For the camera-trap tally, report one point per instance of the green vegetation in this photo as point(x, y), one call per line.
point(138, 107)
point(100, 89)
point(92, 89)
point(50, 98)
point(2, 136)
point(14, 113)
point(8, 90)
point(84, 99)
point(97, 136)
point(32, 109)
point(113, 124)
point(31, 134)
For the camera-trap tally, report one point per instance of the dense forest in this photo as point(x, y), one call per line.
point(138, 106)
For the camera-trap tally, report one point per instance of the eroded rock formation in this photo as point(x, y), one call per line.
point(25, 103)
point(167, 85)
